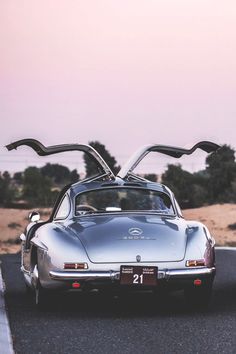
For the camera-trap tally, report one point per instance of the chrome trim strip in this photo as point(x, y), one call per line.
point(115, 275)
point(179, 273)
point(60, 275)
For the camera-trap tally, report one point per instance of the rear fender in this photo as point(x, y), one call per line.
point(199, 244)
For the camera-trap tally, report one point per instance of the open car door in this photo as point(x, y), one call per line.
point(42, 150)
point(176, 152)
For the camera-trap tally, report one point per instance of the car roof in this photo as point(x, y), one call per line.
point(116, 183)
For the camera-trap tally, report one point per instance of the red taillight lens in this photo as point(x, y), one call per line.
point(76, 285)
point(195, 263)
point(75, 266)
point(197, 282)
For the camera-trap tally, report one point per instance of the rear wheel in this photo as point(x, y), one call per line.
point(29, 290)
point(41, 295)
point(199, 296)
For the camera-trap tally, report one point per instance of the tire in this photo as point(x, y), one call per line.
point(41, 297)
point(28, 289)
point(199, 296)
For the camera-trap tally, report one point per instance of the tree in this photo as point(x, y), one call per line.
point(74, 176)
point(59, 174)
point(181, 183)
point(151, 177)
point(91, 167)
point(200, 188)
point(221, 169)
point(18, 177)
point(7, 190)
point(37, 188)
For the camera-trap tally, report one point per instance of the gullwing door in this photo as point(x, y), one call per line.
point(42, 150)
point(176, 152)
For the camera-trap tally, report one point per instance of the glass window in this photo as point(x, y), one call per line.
point(64, 208)
point(123, 199)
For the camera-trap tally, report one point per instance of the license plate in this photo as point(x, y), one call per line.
point(136, 275)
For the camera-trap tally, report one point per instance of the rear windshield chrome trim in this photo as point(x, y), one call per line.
point(141, 212)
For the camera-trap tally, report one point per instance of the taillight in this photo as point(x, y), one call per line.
point(75, 266)
point(195, 263)
point(75, 285)
point(197, 282)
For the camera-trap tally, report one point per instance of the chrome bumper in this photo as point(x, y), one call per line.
point(189, 273)
point(115, 275)
point(62, 275)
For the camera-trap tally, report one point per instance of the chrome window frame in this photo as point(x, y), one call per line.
point(55, 218)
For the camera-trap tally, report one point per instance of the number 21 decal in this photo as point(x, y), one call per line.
point(137, 278)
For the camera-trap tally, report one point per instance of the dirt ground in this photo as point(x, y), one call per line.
point(12, 224)
point(216, 217)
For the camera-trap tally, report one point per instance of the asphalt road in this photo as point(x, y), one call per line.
point(136, 323)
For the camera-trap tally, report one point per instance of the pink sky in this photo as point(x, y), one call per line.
point(127, 73)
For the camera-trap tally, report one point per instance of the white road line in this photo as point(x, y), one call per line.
point(6, 346)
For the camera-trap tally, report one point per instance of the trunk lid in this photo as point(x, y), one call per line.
point(121, 238)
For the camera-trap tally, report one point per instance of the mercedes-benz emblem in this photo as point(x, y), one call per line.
point(138, 258)
point(135, 231)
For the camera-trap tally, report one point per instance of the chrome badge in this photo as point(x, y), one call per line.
point(135, 231)
point(138, 258)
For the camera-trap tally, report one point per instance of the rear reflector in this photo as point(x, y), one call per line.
point(197, 282)
point(75, 285)
point(75, 266)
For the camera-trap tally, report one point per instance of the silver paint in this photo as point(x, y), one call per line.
point(111, 239)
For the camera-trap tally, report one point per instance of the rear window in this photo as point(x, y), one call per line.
point(123, 199)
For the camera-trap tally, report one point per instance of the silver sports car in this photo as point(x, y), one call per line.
point(117, 232)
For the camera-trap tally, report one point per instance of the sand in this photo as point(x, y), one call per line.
point(12, 224)
point(216, 217)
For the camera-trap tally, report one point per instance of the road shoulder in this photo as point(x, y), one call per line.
point(5, 333)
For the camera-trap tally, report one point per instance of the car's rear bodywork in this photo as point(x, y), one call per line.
point(117, 232)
